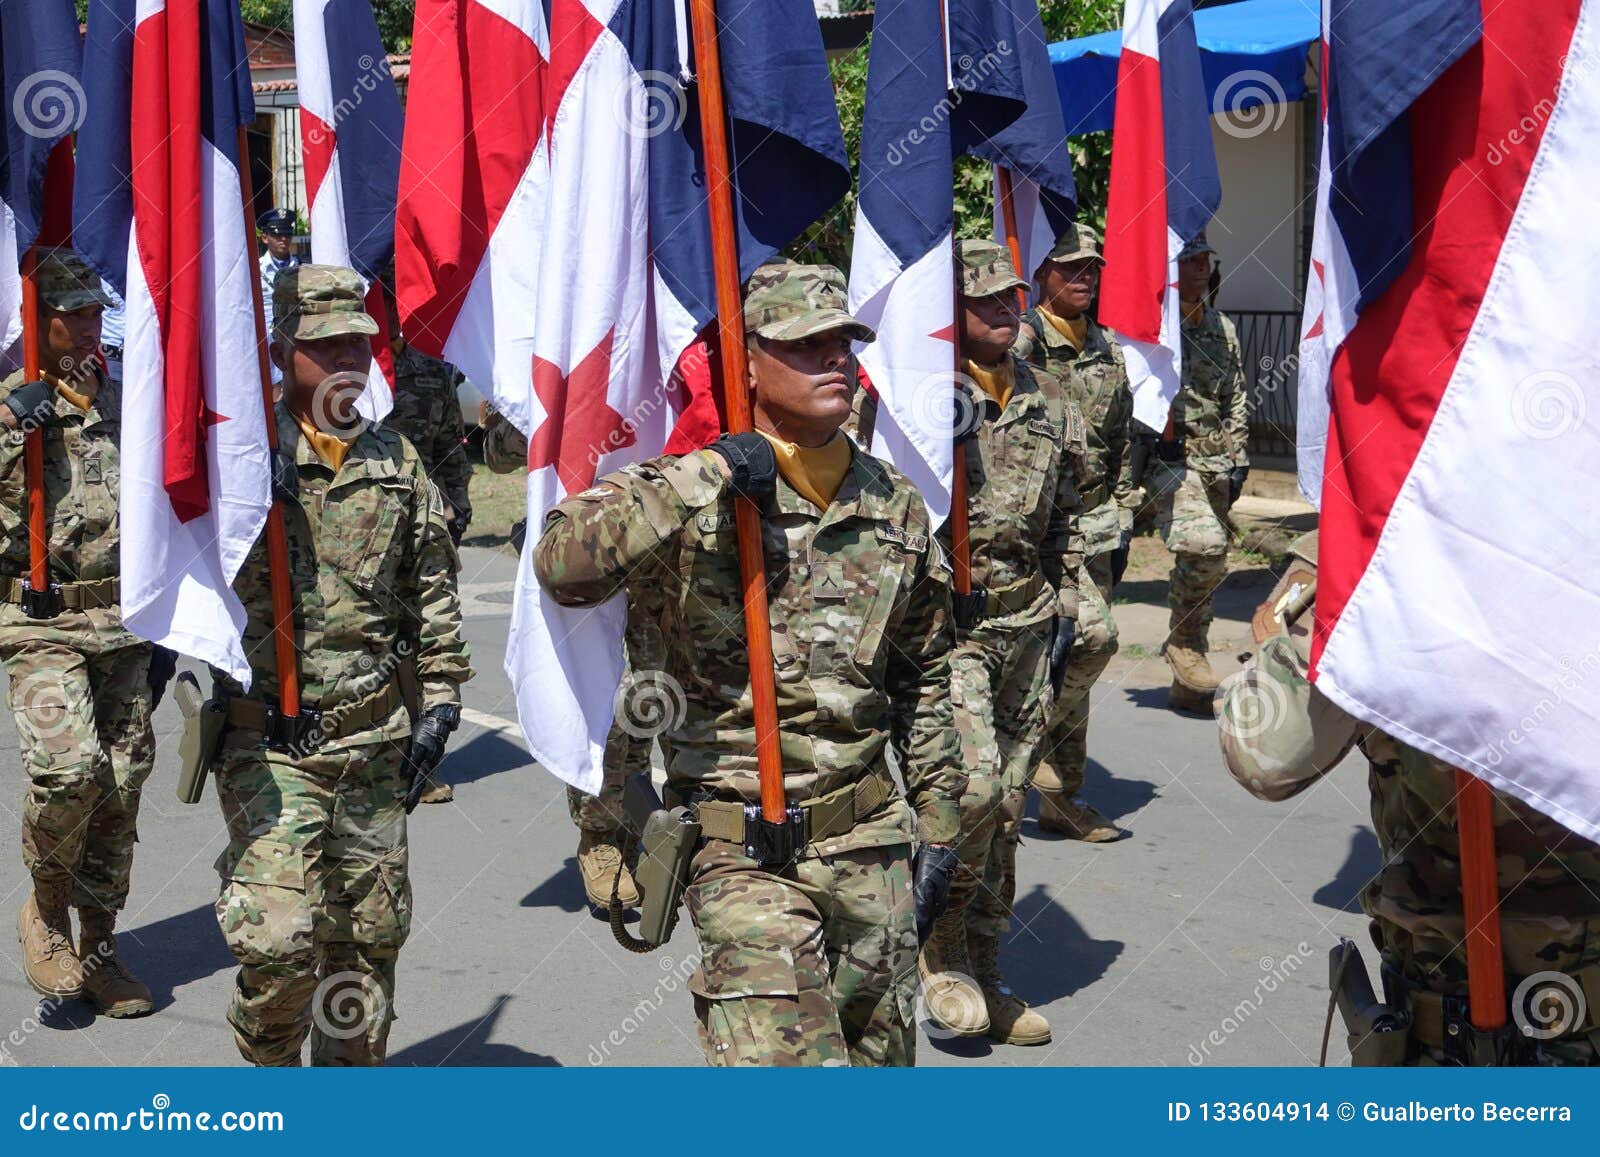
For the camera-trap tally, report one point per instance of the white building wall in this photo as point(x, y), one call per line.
point(1257, 229)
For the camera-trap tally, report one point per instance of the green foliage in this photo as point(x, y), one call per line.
point(272, 13)
point(394, 18)
point(829, 239)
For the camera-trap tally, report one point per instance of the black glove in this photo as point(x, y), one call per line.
point(458, 526)
point(33, 403)
point(752, 464)
point(519, 534)
point(931, 871)
point(285, 478)
point(970, 609)
point(1061, 652)
point(428, 735)
point(1236, 478)
point(163, 665)
point(1119, 559)
point(968, 416)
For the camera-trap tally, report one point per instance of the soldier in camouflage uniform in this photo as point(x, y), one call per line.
point(1192, 473)
point(1280, 735)
point(1026, 457)
point(602, 829)
point(813, 963)
point(79, 682)
point(1061, 338)
point(316, 899)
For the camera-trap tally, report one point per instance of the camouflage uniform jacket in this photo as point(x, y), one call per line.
point(428, 412)
point(373, 571)
point(1211, 413)
point(1025, 467)
point(861, 635)
point(82, 484)
point(1549, 877)
point(1097, 380)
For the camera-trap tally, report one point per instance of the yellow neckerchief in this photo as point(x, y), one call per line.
point(815, 472)
point(1193, 311)
point(329, 447)
point(82, 400)
point(1075, 330)
point(997, 380)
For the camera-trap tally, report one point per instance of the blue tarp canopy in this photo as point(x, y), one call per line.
point(1250, 53)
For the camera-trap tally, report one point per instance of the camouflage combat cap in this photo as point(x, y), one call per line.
point(1077, 242)
point(787, 301)
point(66, 282)
point(986, 268)
point(310, 302)
point(1196, 246)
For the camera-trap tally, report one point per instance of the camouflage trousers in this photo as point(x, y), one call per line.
point(1190, 512)
point(1066, 740)
point(817, 966)
point(316, 900)
point(999, 691)
point(642, 712)
point(82, 713)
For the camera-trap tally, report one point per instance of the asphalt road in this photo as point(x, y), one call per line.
point(1201, 938)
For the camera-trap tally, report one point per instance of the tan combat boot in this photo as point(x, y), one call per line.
point(1075, 819)
point(45, 929)
point(1194, 683)
point(952, 997)
point(107, 983)
point(601, 863)
point(1011, 1021)
point(437, 791)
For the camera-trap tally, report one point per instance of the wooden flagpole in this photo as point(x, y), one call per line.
point(38, 563)
point(1480, 902)
point(736, 398)
point(288, 661)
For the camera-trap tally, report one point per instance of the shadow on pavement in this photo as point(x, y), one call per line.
point(563, 890)
point(1115, 797)
point(1047, 954)
point(175, 951)
point(469, 1044)
point(485, 754)
point(1361, 863)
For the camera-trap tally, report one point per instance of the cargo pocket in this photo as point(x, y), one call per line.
point(263, 910)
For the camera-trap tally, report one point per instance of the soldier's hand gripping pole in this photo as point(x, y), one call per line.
point(287, 660)
point(777, 824)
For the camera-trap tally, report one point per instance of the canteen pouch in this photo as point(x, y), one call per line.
point(668, 838)
point(204, 721)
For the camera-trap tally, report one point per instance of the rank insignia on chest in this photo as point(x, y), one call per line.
point(829, 585)
point(93, 470)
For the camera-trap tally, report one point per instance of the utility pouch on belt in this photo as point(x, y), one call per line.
point(1375, 1032)
point(204, 721)
point(668, 838)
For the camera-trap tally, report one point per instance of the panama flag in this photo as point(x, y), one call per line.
point(157, 209)
point(43, 104)
point(1458, 604)
point(350, 125)
point(1034, 149)
point(1164, 189)
point(473, 166)
point(601, 252)
point(940, 82)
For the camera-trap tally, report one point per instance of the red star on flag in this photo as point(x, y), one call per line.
point(1316, 326)
point(580, 426)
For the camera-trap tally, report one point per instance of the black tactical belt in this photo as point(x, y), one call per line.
point(308, 730)
point(1443, 1023)
point(1169, 451)
point(48, 603)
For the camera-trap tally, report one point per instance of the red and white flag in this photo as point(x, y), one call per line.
point(350, 126)
point(1458, 604)
point(159, 212)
